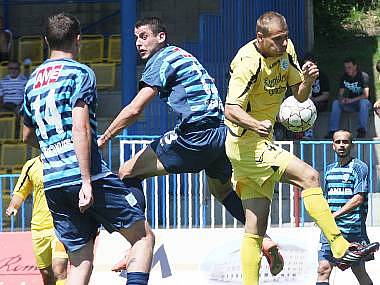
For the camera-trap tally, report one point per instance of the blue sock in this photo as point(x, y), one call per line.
point(137, 278)
point(322, 283)
point(233, 205)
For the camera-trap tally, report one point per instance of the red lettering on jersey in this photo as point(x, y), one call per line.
point(47, 75)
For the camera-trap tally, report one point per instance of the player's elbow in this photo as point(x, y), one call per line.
point(228, 112)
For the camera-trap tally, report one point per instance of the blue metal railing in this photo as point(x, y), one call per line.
point(310, 152)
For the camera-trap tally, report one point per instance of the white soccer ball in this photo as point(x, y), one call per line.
point(296, 116)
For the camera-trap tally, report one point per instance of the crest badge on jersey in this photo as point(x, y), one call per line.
point(345, 177)
point(284, 64)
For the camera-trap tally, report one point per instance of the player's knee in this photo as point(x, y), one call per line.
point(311, 178)
point(218, 190)
point(59, 270)
point(125, 171)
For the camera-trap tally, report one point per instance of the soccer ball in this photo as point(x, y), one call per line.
point(296, 116)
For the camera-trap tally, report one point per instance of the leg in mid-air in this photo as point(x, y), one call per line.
point(304, 176)
point(226, 195)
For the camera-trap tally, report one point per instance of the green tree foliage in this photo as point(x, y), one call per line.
point(332, 15)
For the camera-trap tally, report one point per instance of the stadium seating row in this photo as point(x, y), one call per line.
point(91, 49)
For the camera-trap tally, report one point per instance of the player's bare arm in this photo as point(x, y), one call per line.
point(302, 91)
point(129, 114)
point(82, 146)
point(237, 115)
point(354, 202)
point(14, 205)
point(29, 137)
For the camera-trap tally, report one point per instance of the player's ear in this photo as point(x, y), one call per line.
point(161, 37)
point(259, 36)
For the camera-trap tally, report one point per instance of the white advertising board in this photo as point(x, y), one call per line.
point(212, 256)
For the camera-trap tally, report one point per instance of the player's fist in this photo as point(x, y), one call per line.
point(310, 71)
point(101, 141)
point(85, 197)
point(376, 108)
point(264, 128)
point(11, 211)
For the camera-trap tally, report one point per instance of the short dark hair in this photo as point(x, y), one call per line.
point(378, 66)
point(343, 131)
point(263, 22)
point(155, 24)
point(61, 31)
point(350, 59)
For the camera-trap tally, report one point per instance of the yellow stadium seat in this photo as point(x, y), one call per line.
point(105, 75)
point(114, 49)
point(13, 155)
point(7, 128)
point(3, 69)
point(31, 47)
point(91, 48)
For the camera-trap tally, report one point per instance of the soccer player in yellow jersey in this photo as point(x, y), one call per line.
point(50, 254)
point(260, 74)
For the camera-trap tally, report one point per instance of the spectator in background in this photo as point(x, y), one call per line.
point(27, 67)
point(352, 97)
point(12, 88)
point(320, 91)
point(5, 41)
point(346, 190)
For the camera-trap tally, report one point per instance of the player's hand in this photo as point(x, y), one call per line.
point(264, 128)
point(102, 141)
point(310, 72)
point(85, 197)
point(11, 211)
point(376, 108)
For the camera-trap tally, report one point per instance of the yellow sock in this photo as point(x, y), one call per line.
point(60, 282)
point(251, 258)
point(318, 209)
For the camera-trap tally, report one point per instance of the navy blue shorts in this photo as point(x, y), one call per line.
point(114, 202)
point(325, 252)
point(194, 151)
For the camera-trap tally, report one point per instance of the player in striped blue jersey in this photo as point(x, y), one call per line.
point(197, 142)
point(346, 190)
point(59, 113)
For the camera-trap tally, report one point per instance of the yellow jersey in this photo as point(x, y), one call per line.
point(258, 84)
point(31, 178)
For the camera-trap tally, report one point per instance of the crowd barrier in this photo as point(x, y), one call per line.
point(183, 200)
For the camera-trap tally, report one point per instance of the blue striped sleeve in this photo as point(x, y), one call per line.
point(157, 73)
point(361, 181)
point(85, 89)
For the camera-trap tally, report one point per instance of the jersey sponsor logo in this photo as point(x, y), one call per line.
point(59, 147)
point(340, 191)
point(273, 85)
point(47, 75)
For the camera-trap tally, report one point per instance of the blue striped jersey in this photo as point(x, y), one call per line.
point(12, 89)
point(341, 184)
point(184, 85)
point(51, 93)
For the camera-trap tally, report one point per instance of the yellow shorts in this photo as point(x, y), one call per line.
point(257, 165)
point(46, 247)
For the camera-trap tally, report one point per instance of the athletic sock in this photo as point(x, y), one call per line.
point(137, 278)
point(322, 283)
point(318, 209)
point(234, 206)
point(250, 254)
point(60, 282)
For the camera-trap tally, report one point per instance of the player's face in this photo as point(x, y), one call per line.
point(147, 43)
point(342, 144)
point(275, 43)
point(350, 69)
